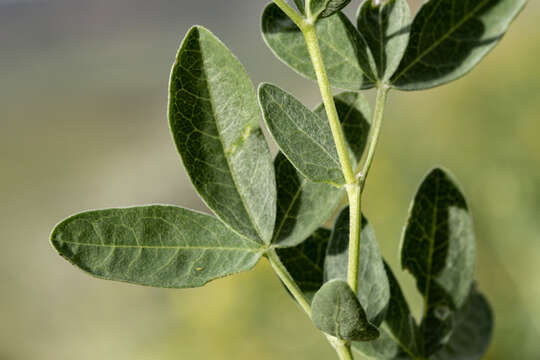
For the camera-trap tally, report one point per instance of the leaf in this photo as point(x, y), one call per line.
point(305, 262)
point(438, 248)
point(472, 333)
point(398, 333)
point(353, 111)
point(385, 28)
point(162, 246)
point(343, 49)
point(373, 287)
point(302, 136)
point(214, 120)
point(336, 311)
point(323, 8)
point(302, 205)
point(450, 37)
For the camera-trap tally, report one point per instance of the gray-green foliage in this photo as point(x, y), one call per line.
point(337, 312)
point(163, 246)
point(343, 48)
point(278, 209)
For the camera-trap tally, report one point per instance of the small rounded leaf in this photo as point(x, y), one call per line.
point(337, 311)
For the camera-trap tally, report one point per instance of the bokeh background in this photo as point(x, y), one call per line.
point(83, 96)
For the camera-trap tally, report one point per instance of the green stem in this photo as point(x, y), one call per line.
point(344, 351)
point(312, 43)
point(382, 93)
point(291, 13)
point(355, 224)
point(287, 279)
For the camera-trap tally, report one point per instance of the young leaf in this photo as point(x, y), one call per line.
point(337, 312)
point(302, 205)
point(373, 287)
point(305, 262)
point(343, 49)
point(386, 30)
point(214, 120)
point(399, 330)
point(162, 246)
point(302, 136)
point(449, 37)
point(438, 248)
point(472, 330)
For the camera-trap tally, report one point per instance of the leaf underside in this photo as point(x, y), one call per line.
point(161, 246)
point(214, 119)
point(302, 204)
point(449, 37)
point(337, 311)
point(343, 49)
point(303, 137)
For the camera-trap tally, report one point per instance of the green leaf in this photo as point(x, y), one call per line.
point(322, 8)
point(373, 287)
point(214, 120)
point(162, 246)
point(337, 312)
point(438, 248)
point(399, 330)
point(450, 37)
point(302, 136)
point(386, 30)
point(472, 330)
point(343, 49)
point(305, 262)
point(354, 111)
point(302, 205)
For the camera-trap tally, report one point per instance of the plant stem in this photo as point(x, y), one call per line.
point(353, 189)
point(382, 93)
point(312, 43)
point(291, 13)
point(291, 285)
point(342, 349)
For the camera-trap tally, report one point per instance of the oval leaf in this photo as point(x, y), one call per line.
point(336, 311)
point(302, 136)
point(343, 49)
point(302, 205)
point(385, 28)
point(214, 120)
point(373, 287)
point(472, 332)
point(438, 248)
point(450, 37)
point(305, 262)
point(162, 246)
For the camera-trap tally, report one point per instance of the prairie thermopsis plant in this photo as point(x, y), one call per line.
point(275, 209)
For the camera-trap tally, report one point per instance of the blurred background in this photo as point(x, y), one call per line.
point(83, 97)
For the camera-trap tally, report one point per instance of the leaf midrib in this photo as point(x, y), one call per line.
point(231, 172)
point(438, 42)
point(164, 247)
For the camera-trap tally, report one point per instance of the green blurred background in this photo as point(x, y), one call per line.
point(83, 96)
